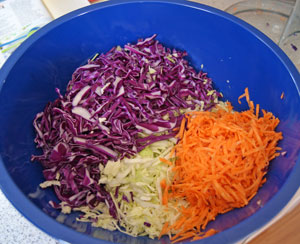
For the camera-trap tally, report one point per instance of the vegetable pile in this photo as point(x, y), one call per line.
point(140, 143)
point(115, 106)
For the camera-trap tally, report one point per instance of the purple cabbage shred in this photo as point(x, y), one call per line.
point(147, 224)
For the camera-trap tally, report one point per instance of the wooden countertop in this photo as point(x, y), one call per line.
point(286, 230)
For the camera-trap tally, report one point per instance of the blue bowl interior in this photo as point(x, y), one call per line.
point(234, 54)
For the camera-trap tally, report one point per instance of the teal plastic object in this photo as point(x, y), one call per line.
point(234, 54)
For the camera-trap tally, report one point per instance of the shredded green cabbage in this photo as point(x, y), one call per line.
point(134, 185)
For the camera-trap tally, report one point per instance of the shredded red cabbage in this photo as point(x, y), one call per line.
point(114, 106)
point(147, 224)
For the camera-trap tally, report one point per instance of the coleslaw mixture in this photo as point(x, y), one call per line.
point(106, 144)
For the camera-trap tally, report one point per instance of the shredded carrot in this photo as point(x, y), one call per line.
point(282, 95)
point(206, 234)
point(164, 229)
point(163, 160)
point(163, 183)
point(221, 162)
point(182, 128)
point(165, 195)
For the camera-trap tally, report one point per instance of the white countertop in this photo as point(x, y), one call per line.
point(15, 229)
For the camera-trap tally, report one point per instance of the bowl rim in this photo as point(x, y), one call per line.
point(49, 225)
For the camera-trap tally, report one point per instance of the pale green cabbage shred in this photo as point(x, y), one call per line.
point(140, 175)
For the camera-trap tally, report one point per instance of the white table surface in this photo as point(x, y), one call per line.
point(15, 229)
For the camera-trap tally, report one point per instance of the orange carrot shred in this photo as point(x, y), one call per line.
point(282, 95)
point(257, 110)
point(163, 183)
point(240, 97)
point(165, 195)
point(220, 164)
point(182, 128)
point(163, 160)
point(207, 234)
point(164, 230)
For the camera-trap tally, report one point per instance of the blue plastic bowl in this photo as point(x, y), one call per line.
point(234, 54)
